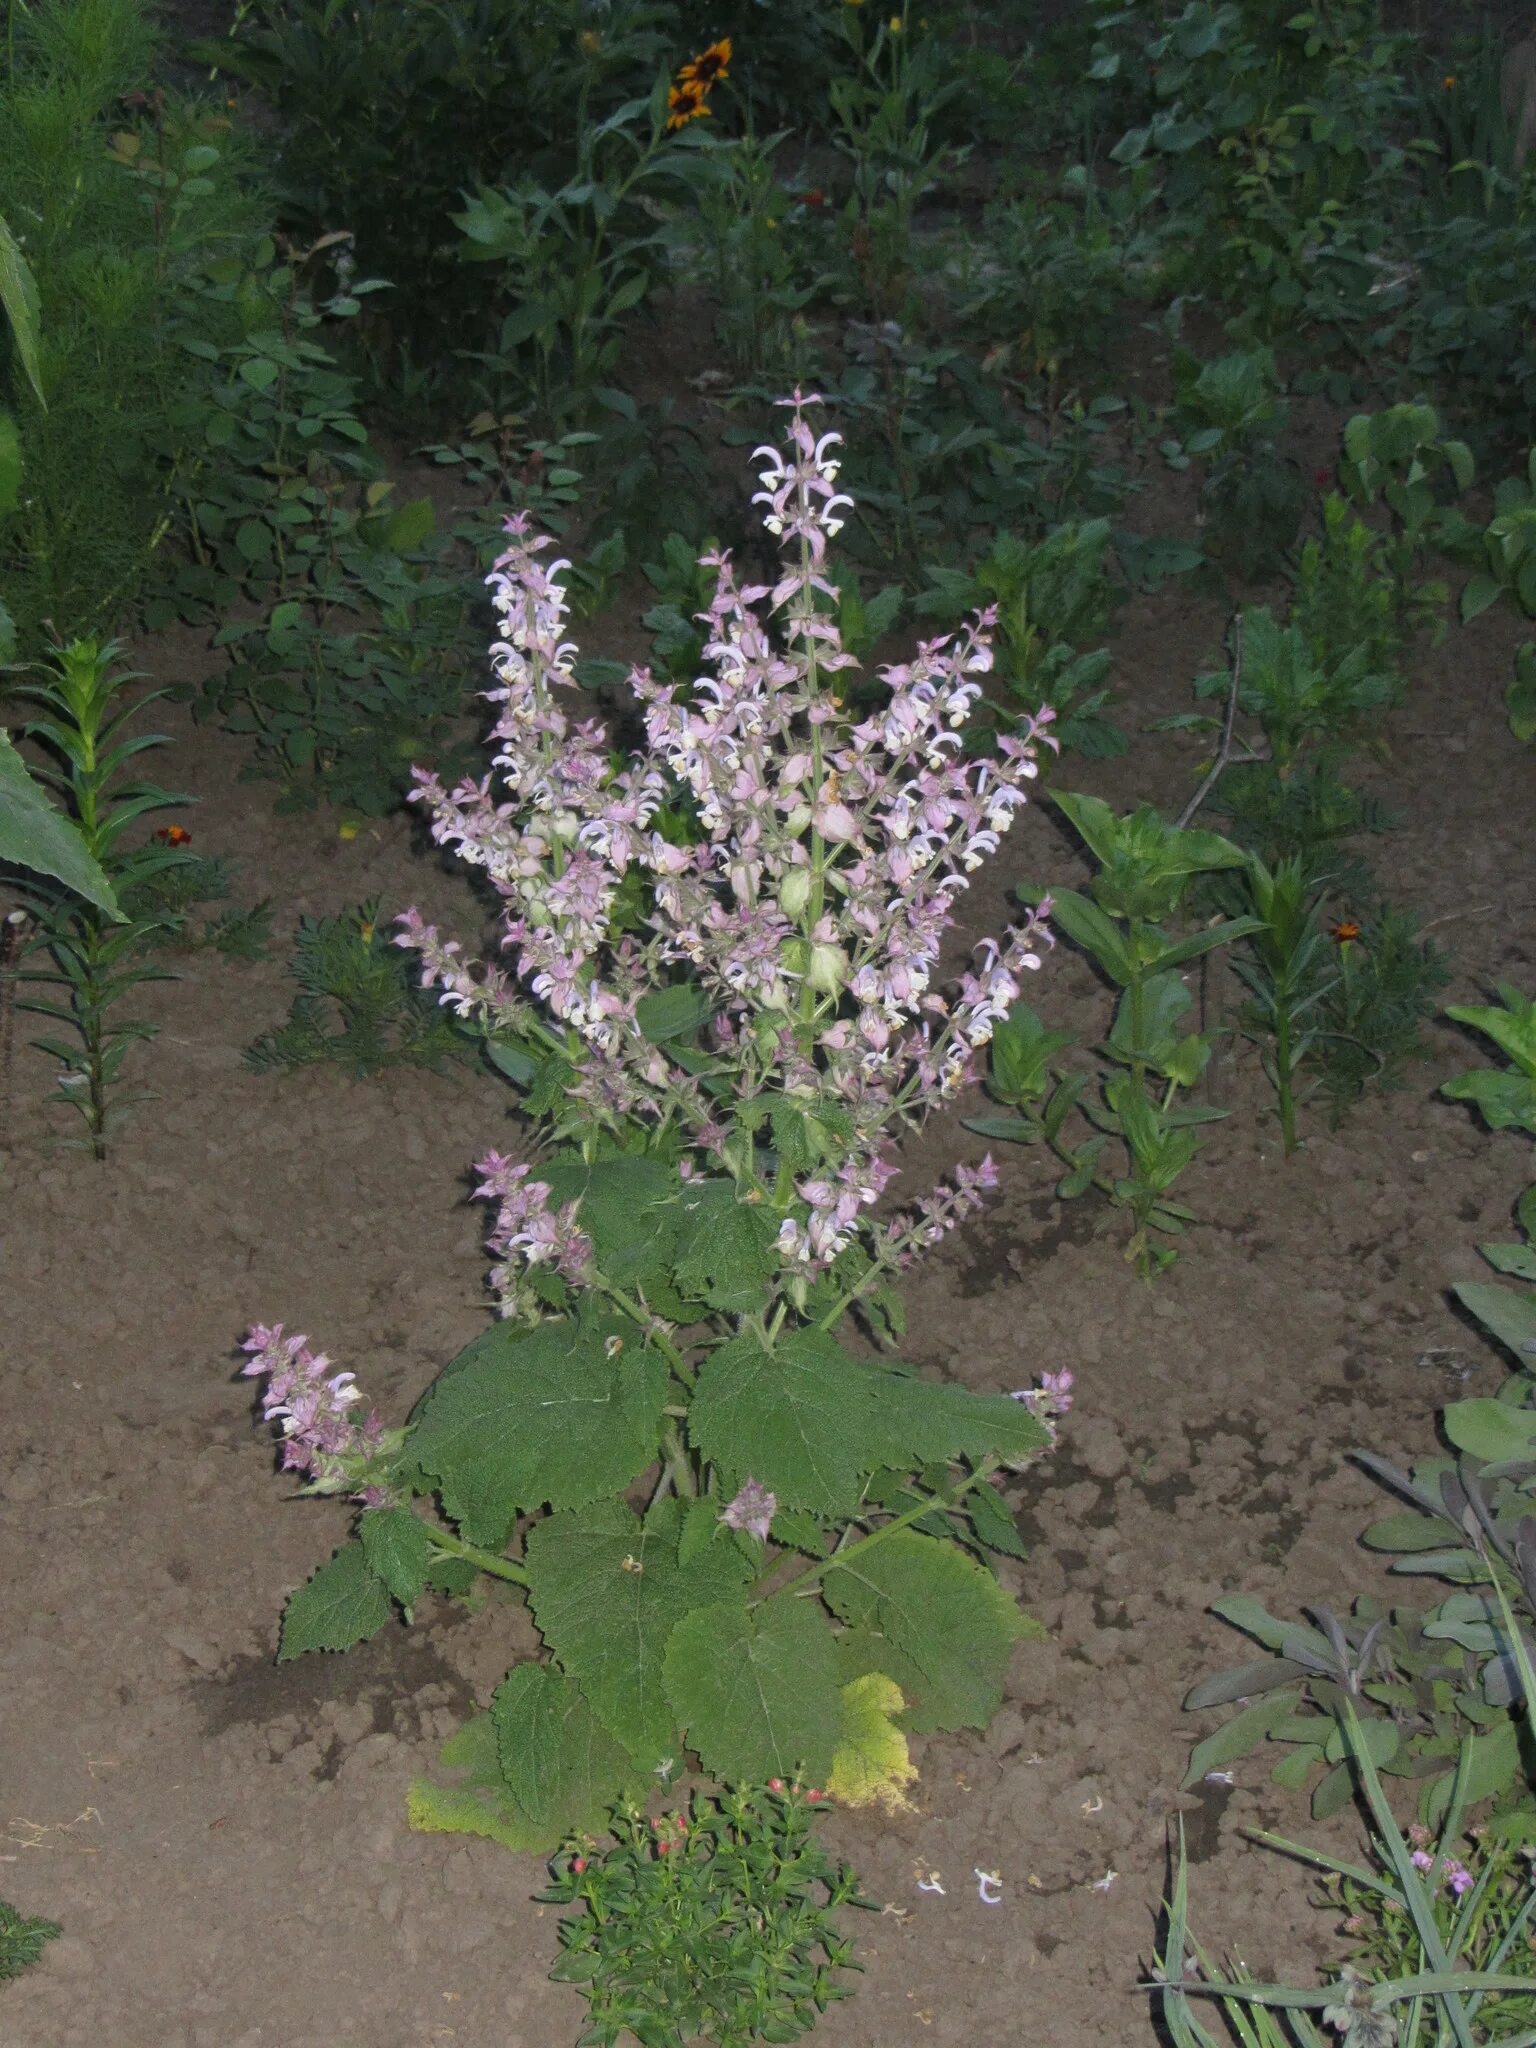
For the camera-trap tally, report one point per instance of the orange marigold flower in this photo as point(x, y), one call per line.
point(709, 66)
point(1345, 932)
point(174, 835)
point(687, 103)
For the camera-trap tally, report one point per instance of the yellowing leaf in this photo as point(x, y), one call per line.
point(871, 1765)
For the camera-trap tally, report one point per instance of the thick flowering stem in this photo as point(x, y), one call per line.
point(808, 910)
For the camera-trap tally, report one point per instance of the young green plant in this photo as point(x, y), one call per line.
point(95, 958)
point(1145, 870)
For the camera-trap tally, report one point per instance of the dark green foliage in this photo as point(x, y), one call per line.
point(716, 1924)
point(87, 958)
point(1052, 597)
point(387, 125)
point(175, 892)
point(359, 1006)
point(1371, 1019)
point(22, 1940)
point(1232, 418)
point(120, 203)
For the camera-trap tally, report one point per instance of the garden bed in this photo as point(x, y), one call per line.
point(224, 1839)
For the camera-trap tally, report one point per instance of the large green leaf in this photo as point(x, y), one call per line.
point(1087, 926)
point(726, 1248)
point(345, 1602)
point(803, 1418)
point(928, 1423)
point(758, 1693)
point(561, 1767)
point(1235, 1738)
point(18, 295)
point(607, 1592)
point(948, 1625)
point(1509, 1314)
point(1490, 1430)
point(529, 1418)
point(809, 1421)
point(628, 1209)
point(399, 1551)
point(35, 835)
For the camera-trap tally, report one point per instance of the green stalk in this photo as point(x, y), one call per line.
point(487, 1560)
point(1283, 1082)
point(904, 1521)
point(639, 1313)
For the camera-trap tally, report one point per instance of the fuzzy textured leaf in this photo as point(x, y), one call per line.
point(726, 1249)
point(950, 1627)
point(804, 1419)
point(757, 1693)
point(871, 1766)
point(344, 1603)
point(525, 1419)
point(398, 1550)
point(1506, 1314)
point(562, 1768)
point(1235, 1738)
point(628, 1209)
point(930, 1423)
point(607, 1592)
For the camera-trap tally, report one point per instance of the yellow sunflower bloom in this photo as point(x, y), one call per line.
point(709, 67)
point(687, 102)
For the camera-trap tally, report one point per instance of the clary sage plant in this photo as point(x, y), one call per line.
point(721, 990)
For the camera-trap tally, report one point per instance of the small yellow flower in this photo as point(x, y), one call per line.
point(347, 831)
point(895, 24)
point(591, 41)
point(1449, 80)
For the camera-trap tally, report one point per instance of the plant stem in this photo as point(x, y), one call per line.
point(651, 1324)
point(677, 1461)
point(840, 1558)
point(487, 1560)
point(1283, 1087)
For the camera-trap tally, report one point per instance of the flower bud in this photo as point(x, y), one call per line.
point(827, 970)
point(797, 820)
point(795, 891)
point(566, 825)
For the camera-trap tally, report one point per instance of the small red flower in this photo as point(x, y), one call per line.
point(578, 1864)
point(1345, 932)
point(663, 1847)
point(815, 197)
point(813, 1795)
point(174, 835)
point(775, 1784)
point(1321, 477)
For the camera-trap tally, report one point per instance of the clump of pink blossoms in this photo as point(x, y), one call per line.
point(318, 1434)
point(827, 859)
